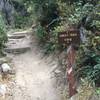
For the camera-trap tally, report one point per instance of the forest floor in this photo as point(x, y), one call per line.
point(33, 79)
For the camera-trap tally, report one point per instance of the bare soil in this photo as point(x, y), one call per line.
point(33, 79)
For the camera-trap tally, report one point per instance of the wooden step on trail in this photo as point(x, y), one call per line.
point(16, 36)
point(18, 42)
point(22, 32)
point(17, 50)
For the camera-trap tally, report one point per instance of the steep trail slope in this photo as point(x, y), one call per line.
point(33, 77)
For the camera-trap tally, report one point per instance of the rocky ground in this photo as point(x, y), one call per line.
point(34, 79)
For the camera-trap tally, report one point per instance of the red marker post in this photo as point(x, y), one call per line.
point(71, 53)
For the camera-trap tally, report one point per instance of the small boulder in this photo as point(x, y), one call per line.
point(3, 90)
point(5, 68)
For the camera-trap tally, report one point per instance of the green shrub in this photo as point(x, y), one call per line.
point(24, 13)
point(80, 12)
point(23, 21)
point(3, 35)
point(89, 53)
point(88, 60)
point(49, 40)
point(96, 20)
point(41, 34)
point(46, 11)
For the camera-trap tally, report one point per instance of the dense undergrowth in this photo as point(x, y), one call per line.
point(23, 14)
point(88, 62)
point(89, 65)
point(3, 35)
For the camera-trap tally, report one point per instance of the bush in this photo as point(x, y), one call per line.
point(46, 11)
point(89, 53)
point(88, 60)
point(23, 22)
point(80, 12)
point(41, 34)
point(23, 15)
point(3, 35)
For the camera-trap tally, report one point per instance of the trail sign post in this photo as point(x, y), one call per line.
point(71, 54)
point(68, 39)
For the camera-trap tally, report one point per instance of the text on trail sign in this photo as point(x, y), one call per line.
point(69, 37)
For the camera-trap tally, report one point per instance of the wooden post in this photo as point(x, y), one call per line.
point(71, 53)
point(71, 36)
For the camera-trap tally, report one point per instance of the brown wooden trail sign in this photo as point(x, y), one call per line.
point(68, 37)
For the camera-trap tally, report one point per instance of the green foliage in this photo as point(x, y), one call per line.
point(98, 91)
point(80, 12)
point(41, 33)
point(49, 47)
point(3, 35)
point(65, 9)
point(96, 17)
point(24, 13)
point(89, 12)
point(23, 21)
point(89, 65)
point(46, 11)
point(49, 40)
point(60, 28)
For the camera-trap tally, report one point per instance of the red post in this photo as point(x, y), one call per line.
point(71, 53)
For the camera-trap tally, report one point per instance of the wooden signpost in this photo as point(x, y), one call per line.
point(71, 54)
point(68, 39)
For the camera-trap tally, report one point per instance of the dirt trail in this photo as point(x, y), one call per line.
point(33, 77)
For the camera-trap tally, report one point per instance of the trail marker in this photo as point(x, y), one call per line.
point(70, 39)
